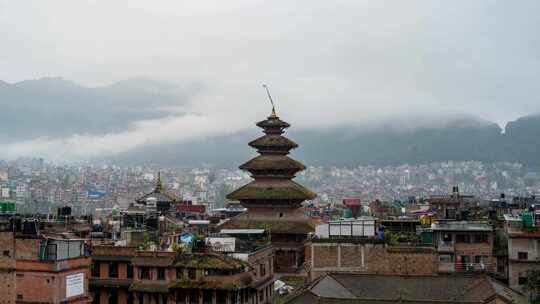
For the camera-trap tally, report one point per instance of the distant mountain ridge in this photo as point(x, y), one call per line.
point(349, 146)
point(56, 108)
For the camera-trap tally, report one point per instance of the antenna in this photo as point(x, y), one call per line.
point(270, 97)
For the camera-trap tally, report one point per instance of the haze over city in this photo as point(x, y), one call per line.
point(178, 71)
point(269, 152)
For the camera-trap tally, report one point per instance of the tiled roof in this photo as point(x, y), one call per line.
point(273, 140)
point(276, 162)
point(272, 190)
point(273, 122)
point(368, 288)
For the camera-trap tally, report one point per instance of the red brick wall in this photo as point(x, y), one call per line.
point(37, 282)
point(376, 259)
point(7, 269)
point(324, 256)
point(8, 285)
point(27, 249)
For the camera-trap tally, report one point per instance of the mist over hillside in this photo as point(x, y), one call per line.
point(131, 122)
point(54, 107)
point(349, 146)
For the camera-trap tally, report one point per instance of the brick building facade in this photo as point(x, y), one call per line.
point(35, 269)
point(369, 256)
point(123, 275)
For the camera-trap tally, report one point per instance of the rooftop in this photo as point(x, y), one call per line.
point(461, 226)
point(371, 288)
point(275, 162)
point(272, 226)
point(259, 190)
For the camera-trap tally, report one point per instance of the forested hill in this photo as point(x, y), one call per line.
point(464, 139)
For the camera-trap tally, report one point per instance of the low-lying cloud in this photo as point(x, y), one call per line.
point(327, 63)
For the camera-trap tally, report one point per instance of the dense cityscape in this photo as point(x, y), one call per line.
point(269, 152)
point(37, 186)
point(106, 234)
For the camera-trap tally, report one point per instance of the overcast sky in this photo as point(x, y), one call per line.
point(327, 62)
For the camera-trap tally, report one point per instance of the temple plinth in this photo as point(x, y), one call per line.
point(273, 199)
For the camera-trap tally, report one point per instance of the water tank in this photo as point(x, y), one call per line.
point(528, 219)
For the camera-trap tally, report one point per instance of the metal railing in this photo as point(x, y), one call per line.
point(465, 267)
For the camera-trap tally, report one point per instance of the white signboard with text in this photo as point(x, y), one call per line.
point(74, 285)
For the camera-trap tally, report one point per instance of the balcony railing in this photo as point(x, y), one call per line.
point(451, 267)
point(445, 246)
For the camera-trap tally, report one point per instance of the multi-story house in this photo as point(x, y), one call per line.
point(112, 274)
point(124, 275)
point(38, 268)
point(523, 249)
point(464, 246)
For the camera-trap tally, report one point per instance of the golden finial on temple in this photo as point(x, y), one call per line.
point(273, 115)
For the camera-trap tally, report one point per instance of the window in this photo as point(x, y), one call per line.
point(465, 259)
point(463, 238)
point(179, 273)
point(113, 296)
point(129, 271)
point(96, 297)
point(162, 298)
point(192, 273)
point(144, 273)
point(523, 255)
point(51, 252)
point(140, 296)
point(522, 280)
point(113, 269)
point(130, 299)
point(445, 258)
point(481, 238)
point(477, 259)
point(95, 269)
point(207, 296)
point(6, 253)
point(194, 296)
point(180, 297)
point(161, 273)
point(262, 270)
point(221, 297)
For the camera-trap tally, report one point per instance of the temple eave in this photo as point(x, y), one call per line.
point(273, 141)
point(267, 191)
point(276, 162)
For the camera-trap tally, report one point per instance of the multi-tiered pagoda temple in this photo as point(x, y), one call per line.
point(273, 199)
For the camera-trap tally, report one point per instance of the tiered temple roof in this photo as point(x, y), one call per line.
point(158, 193)
point(272, 170)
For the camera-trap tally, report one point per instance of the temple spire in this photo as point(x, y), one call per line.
point(273, 115)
